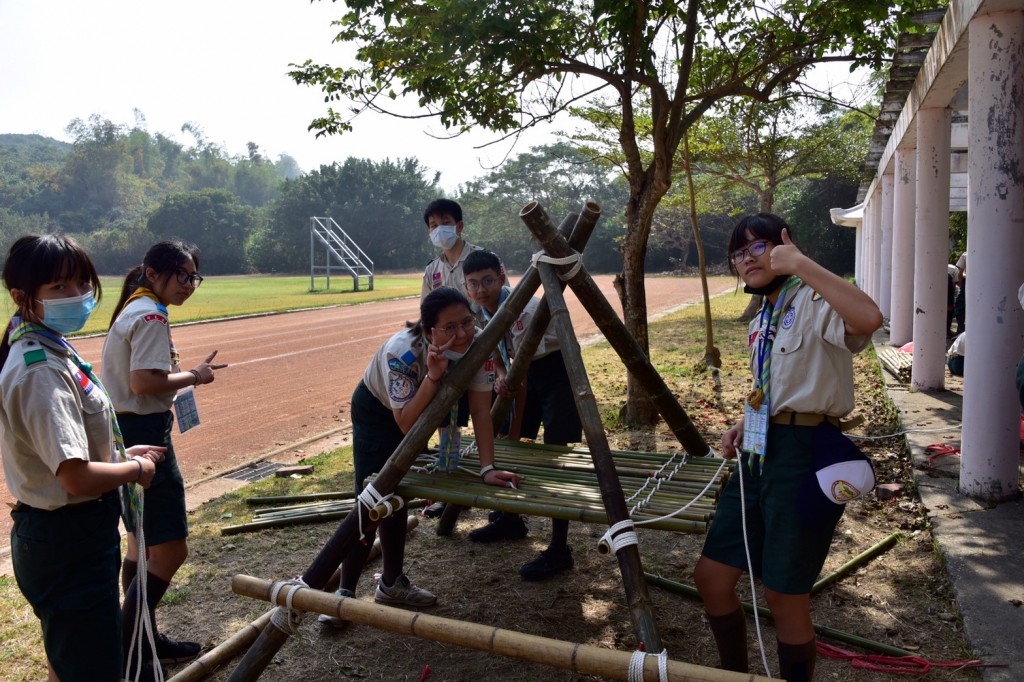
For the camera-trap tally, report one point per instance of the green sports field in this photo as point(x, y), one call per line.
point(243, 295)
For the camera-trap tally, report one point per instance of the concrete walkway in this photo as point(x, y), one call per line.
point(983, 547)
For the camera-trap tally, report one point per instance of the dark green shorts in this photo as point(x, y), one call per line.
point(163, 511)
point(786, 553)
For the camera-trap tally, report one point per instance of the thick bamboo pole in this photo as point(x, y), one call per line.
point(862, 558)
point(583, 659)
point(212, 660)
point(830, 633)
point(273, 638)
point(637, 599)
point(636, 361)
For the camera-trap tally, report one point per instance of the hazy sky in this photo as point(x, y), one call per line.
point(219, 63)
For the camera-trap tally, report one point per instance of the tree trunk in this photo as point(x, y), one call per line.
point(712, 356)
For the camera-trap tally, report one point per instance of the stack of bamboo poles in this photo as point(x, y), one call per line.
point(561, 482)
point(309, 508)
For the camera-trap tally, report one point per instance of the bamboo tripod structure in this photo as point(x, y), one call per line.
point(637, 598)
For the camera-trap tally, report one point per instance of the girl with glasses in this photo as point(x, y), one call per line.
point(801, 347)
point(398, 385)
point(62, 461)
point(141, 368)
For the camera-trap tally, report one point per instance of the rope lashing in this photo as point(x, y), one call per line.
point(687, 505)
point(386, 508)
point(576, 257)
point(618, 536)
point(370, 498)
point(636, 665)
point(654, 482)
point(286, 619)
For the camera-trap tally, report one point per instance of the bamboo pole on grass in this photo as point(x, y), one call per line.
point(637, 599)
point(632, 355)
point(579, 658)
point(212, 660)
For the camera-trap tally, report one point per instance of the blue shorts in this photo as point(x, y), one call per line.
point(786, 553)
point(66, 563)
point(163, 514)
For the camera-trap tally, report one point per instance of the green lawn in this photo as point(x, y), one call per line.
point(243, 295)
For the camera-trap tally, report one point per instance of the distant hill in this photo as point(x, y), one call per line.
point(18, 152)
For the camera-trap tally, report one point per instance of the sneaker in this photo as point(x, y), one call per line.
point(434, 510)
point(403, 592)
point(505, 527)
point(550, 562)
point(493, 515)
point(334, 621)
point(170, 652)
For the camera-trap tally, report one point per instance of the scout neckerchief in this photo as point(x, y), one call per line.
point(502, 345)
point(146, 292)
point(767, 328)
point(129, 492)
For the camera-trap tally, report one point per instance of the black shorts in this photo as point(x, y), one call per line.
point(375, 434)
point(550, 401)
point(163, 512)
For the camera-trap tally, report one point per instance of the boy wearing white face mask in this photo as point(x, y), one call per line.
point(444, 225)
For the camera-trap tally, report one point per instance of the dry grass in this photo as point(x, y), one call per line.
point(903, 598)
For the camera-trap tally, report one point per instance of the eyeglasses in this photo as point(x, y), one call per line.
point(186, 278)
point(755, 250)
point(485, 283)
point(467, 326)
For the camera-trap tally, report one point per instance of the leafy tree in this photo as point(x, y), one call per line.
point(378, 204)
point(505, 65)
point(212, 219)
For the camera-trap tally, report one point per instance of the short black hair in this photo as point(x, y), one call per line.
point(442, 207)
point(766, 226)
point(481, 260)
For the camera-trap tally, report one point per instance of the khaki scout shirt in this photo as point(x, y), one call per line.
point(812, 357)
point(50, 412)
point(399, 367)
point(139, 339)
point(440, 274)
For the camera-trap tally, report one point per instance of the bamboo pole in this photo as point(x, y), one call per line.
point(831, 633)
point(862, 558)
point(637, 599)
point(307, 497)
point(636, 361)
point(212, 660)
point(583, 659)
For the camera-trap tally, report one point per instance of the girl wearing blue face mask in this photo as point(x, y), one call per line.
point(140, 365)
point(63, 461)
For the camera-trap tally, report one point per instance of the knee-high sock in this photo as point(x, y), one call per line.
point(128, 570)
point(730, 632)
point(559, 533)
point(155, 589)
point(796, 661)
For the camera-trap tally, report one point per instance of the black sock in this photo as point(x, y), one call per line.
point(796, 661)
point(155, 589)
point(730, 632)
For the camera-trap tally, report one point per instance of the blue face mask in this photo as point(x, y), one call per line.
point(444, 236)
point(67, 315)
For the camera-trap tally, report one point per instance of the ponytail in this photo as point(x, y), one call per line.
point(135, 278)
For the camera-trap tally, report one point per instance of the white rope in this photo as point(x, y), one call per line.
point(143, 626)
point(576, 257)
point(750, 568)
point(371, 498)
point(636, 665)
point(686, 506)
point(285, 618)
point(619, 535)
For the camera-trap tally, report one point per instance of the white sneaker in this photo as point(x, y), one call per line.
point(403, 592)
point(334, 621)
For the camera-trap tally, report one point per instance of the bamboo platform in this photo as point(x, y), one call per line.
point(561, 482)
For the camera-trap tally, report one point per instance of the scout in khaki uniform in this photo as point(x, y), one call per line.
point(802, 346)
point(62, 461)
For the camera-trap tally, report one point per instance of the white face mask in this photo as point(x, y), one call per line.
point(454, 356)
point(444, 236)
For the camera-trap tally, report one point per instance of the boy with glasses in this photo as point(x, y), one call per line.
point(546, 397)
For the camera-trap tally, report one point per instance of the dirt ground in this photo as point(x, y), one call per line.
point(902, 598)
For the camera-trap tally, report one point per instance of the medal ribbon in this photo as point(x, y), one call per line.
point(128, 492)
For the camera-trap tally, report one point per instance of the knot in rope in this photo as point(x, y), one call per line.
point(618, 536)
point(370, 498)
point(576, 257)
point(636, 665)
point(285, 618)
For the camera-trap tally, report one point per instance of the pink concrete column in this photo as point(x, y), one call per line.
point(901, 308)
point(931, 246)
point(885, 263)
point(989, 467)
point(876, 245)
